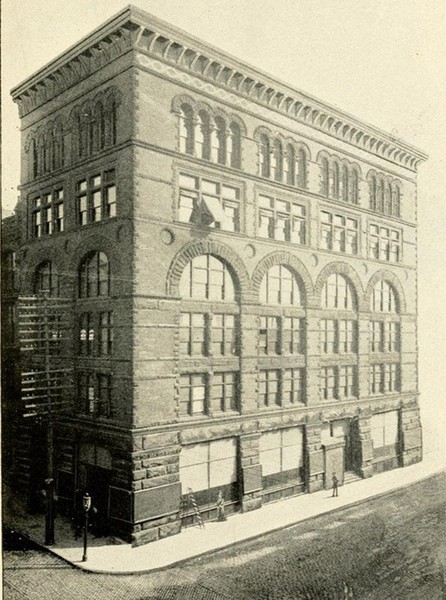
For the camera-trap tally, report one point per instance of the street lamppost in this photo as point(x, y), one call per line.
point(86, 503)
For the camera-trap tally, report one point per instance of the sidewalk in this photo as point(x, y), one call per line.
point(109, 556)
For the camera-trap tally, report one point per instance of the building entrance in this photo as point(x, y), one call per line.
point(94, 476)
point(345, 429)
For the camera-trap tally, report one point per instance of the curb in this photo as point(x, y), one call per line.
point(247, 539)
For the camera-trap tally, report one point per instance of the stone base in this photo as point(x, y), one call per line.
point(151, 531)
point(316, 483)
point(251, 504)
point(412, 456)
point(366, 471)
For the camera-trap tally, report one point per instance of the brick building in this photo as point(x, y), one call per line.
point(238, 260)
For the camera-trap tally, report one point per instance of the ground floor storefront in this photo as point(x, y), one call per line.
point(150, 485)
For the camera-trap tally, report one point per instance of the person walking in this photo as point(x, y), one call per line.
point(221, 507)
point(335, 485)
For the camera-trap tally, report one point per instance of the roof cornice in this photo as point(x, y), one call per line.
point(133, 28)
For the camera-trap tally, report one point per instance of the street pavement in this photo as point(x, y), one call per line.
point(390, 548)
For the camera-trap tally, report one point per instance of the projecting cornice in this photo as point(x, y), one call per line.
point(133, 28)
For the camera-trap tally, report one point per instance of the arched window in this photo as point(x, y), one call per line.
point(302, 169)
point(373, 192)
point(219, 141)
point(380, 195)
point(387, 198)
point(396, 200)
point(34, 159)
point(345, 183)
point(186, 130)
point(336, 176)
point(234, 146)
point(207, 278)
point(280, 286)
point(46, 281)
point(113, 118)
point(94, 276)
point(383, 298)
point(338, 293)
point(325, 177)
point(79, 138)
point(277, 161)
point(202, 136)
point(99, 126)
point(354, 187)
point(265, 167)
point(290, 165)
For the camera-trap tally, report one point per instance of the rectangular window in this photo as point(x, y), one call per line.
point(281, 454)
point(376, 336)
point(224, 335)
point(199, 197)
point(193, 334)
point(328, 336)
point(384, 243)
point(47, 213)
point(269, 335)
point(391, 377)
point(292, 335)
point(338, 233)
point(106, 333)
point(392, 336)
point(376, 379)
point(281, 220)
point(269, 388)
point(193, 394)
point(94, 393)
point(104, 396)
point(86, 334)
point(329, 383)
point(293, 386)
point(347, 381)
point(224, 392)
point(347, 336)
point(384, 430)
point(209, 465)
point(96, 198)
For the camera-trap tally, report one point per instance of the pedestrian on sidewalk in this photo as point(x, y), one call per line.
point(221, 507)
point(335, 485)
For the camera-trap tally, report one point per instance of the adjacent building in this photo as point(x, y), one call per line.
point(237, 265)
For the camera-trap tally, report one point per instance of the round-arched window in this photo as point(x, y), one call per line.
point(338, 293)
point(94, 276)
point(46, 281)
point(207, 278)
point(383, 298)
point(280, 286)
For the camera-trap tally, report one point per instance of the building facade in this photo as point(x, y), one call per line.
point(238, 262)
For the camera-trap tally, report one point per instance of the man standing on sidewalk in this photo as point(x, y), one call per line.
point(335, 485)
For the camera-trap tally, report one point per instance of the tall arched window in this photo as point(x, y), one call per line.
point(345, 183)
point(379, 195)
point(202, 136)
point(396, 200)
point(277, 161)
point(387, 198)
point(383, 298)
point(265, 166)
point(34, 158)
point(99, 126)
point(302, 169)
point(113, 118)
point(186, 129)
point(94, 276)
point(336, 176)
point(219, 141)
point(46, 281)
point(325, 177)
point(338, 293)
point(354, 186)
point(207, 278)
point(290, 165)
point(280, 287)
point(234, 146)
point(373, 192)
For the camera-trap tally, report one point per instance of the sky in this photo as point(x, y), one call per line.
point(384, 61)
